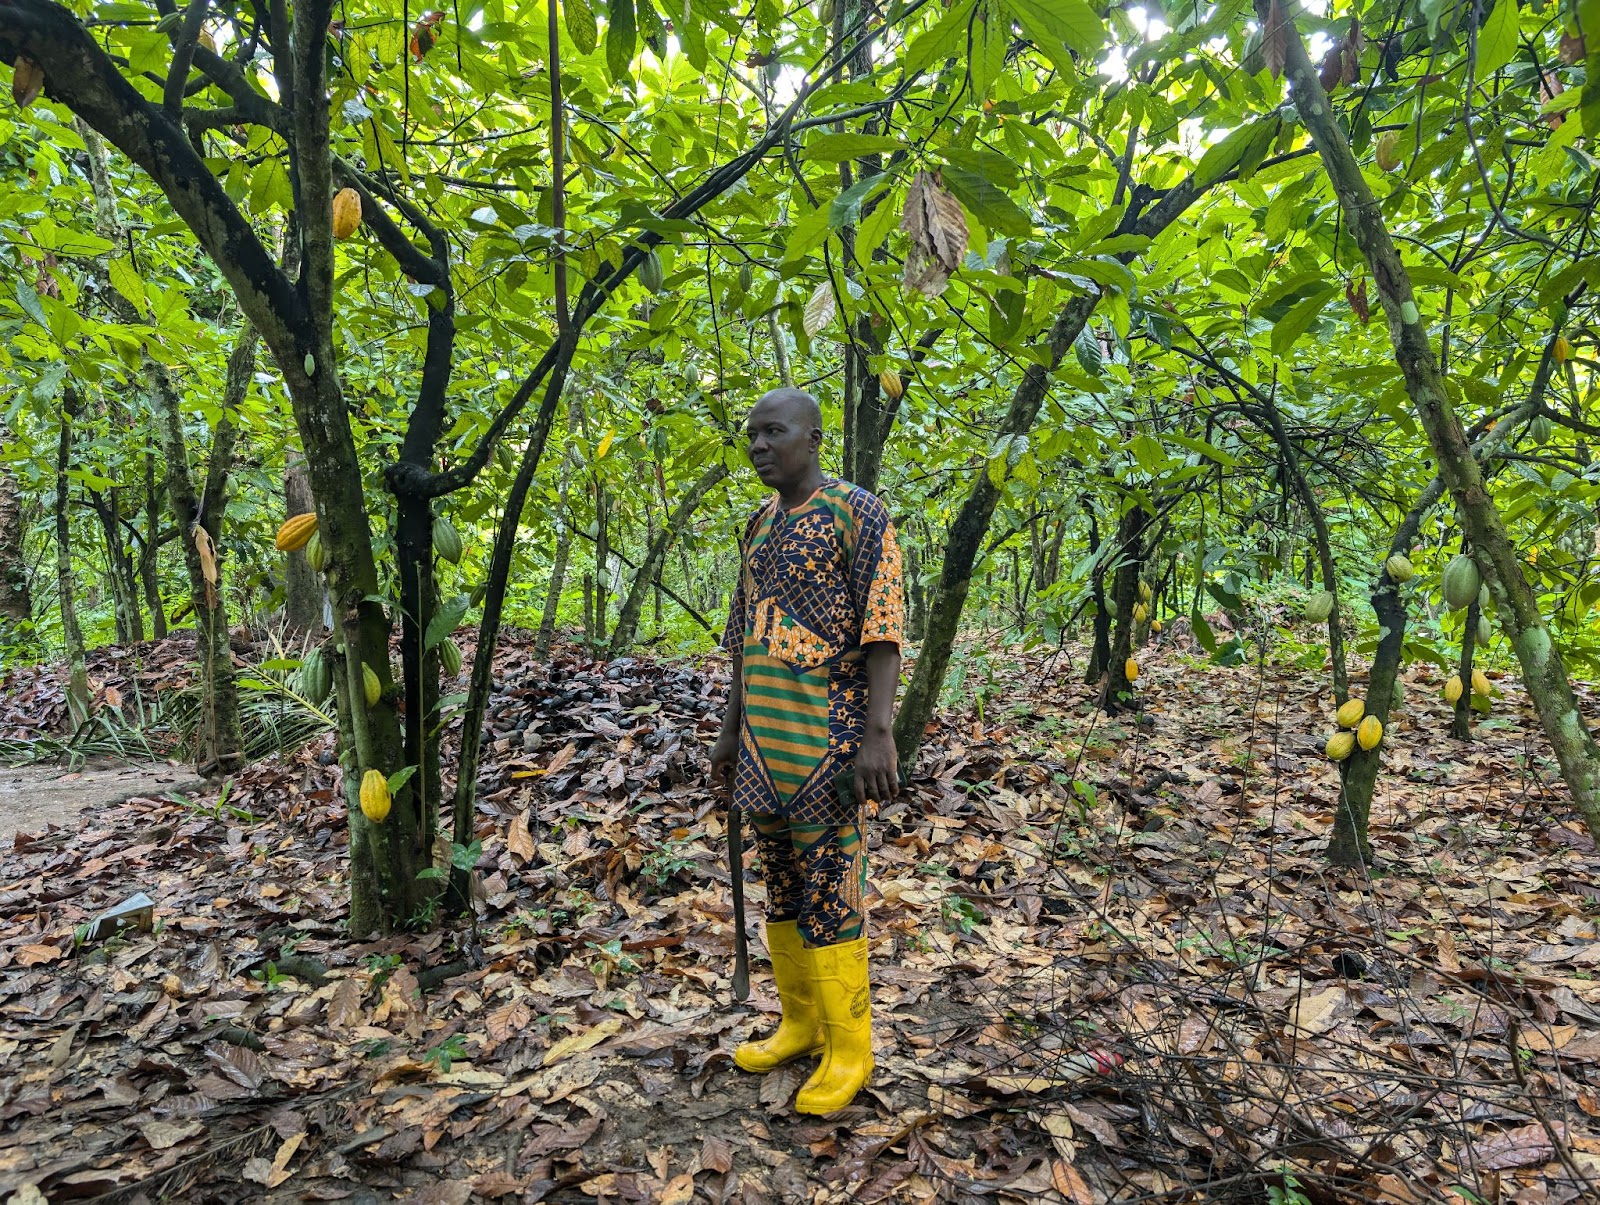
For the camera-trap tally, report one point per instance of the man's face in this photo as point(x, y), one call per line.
point(781, 444)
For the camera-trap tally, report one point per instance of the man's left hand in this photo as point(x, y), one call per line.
point(877, 768)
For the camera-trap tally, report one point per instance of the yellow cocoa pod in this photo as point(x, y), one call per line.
point(1350, 713)
point(1155, 626)
point(296, 533)
point(1130, 670)
point(1340, 745)
point(370, 685)
point(375, 798)
point(1453, 689)
point(1370, 732)
point(346, 212)
point(1562, 351)
point(1140, 612)
point(1145, 594)
point(1480, 683)
point(891, 384)
point(1388, 150)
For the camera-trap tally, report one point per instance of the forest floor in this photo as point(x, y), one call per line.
point(1056, 886)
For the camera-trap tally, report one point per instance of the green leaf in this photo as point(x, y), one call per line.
point(833, 148)
point(1298, 320)
point(1497, 40)
point(399, 778)
point(987, 202)
point(1052, 24)
point(846, 207)
point(943, 39)
point(808, 233)
point(581, 27)
point(991, 38)
point(1087, 348)
point(445, 620)
point(126, 280)
point(622, 36)
point(29, 301)
point(1222, 157)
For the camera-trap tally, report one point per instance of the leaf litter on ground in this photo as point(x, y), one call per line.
point(1109, 961)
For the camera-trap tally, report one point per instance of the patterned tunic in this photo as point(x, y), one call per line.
point(817, 583)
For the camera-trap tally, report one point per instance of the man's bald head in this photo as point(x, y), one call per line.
point(784, 434)
point(793, 403)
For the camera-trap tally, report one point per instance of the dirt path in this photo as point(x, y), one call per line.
point(32, 797)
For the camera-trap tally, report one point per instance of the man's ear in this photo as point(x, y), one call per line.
point(815, 442)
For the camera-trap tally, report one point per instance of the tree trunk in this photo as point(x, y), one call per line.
point(966, 540)
point(1461, 717)
point(302, 585)
point(1543, 670)
point(558, 566)
point(1100, 647)
point(120, 569)
point(656, 556)
point(1358, 773)
point(505, 544)
point(199, 512)
point(1119, 693)
point(150, 552)
point(71, 633)
point(1290, 457)
point(16, 605)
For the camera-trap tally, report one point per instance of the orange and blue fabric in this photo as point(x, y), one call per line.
point(817, 584)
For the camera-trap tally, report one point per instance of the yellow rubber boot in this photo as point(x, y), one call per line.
point(799, 1033)
point(844, 999)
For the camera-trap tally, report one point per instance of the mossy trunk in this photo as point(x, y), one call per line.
point(121, 572)
point(1358, 774)
point(966, 540)
point(150, 552)
point(1461, 714)
point(1100, 642)
point(16, 603)
point(1119, 693)
point(558, 570)
point(385, 858)
point(1544, 671)
point(302, 586)
point(199, 512)
point(66, 582)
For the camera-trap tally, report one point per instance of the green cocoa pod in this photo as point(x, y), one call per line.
point(316, 554)
point(1319, 606)
point(1485, 629)
point(1540, 429)
point(1460, 581)
point(1483, 597)
point(650, 273)
point(450, 658)
point(446, 540)
point(370, 685)
point(1399, 569)
point(316, 676)
point(747, 278)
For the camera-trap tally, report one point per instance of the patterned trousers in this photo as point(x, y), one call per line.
point(816, 874)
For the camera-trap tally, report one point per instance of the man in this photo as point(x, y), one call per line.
point(814, 631)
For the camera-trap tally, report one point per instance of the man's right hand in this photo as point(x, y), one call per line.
point(723, 754)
